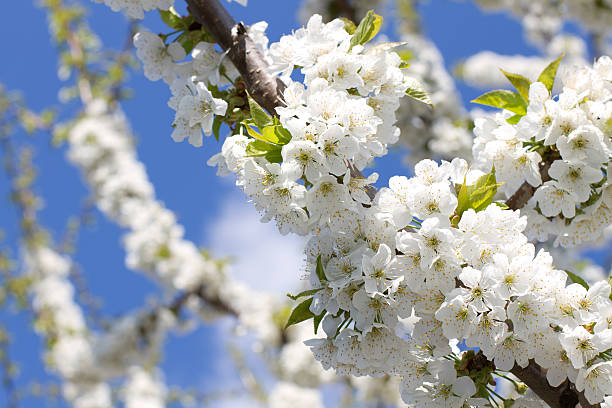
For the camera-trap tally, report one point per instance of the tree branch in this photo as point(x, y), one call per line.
point(563, 396)
point(267, 91)
point(232, 37)
point(526, 190)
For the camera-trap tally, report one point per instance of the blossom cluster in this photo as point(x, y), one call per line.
point(72, 352)
point(573, 131)
point(342, 116)
point(440, 132)
point(481, 70)
point(136, 8)
point(100, 145)
point(399, 280)
point(84, 359)
point(543, 18)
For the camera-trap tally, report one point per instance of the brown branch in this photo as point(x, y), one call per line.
point(342, 8)
point(556, 397)
point(232, 36)
point(526, 191)
point(268, 93)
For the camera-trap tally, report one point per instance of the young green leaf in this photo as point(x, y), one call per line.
point(320, 270)
point(300, 313)
point(482, 191)
point(514, 119)
point(271, 152)
point(416, 91)
point(308, 292)
point(577, 279)
point(477, 196)
point(349, 26)
point(367, 29)
point(463, 199)
point(547, 77)
point(520, 83)
point(259, 115)
point(504, 99)
point(172, 19)
point(216, 127)
point(317, 320)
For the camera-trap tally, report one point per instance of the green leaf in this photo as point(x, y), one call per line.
point(320, 270)
point(513, 120)
point(186, 40)
point(270, 134)
point(172, 19)
point(547, 77)
point(317, 320)
point(283, 135)
point(216, 127)
point(258, 148)
point(463, 199)
point(477, 196)
point(274, 156)
point(577, 279)
point(504, 99)
point(367, 29)
point(482, 191)
point(416, 91)
point(406, 56)
point(259, 115)
point(349, 26)
point(300, 313)
point(302, 294)
point(501, 204)
point(520, 83)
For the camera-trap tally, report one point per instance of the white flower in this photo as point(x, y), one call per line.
point(200, 109)
point(304, 156)
point(379, 276)
point(584, 145)
point(337, 148)
point(575, 178)
point(158, 59)
point(553, 199)
point(457, 317)
point(582, 346)
point(511, 349)
point(529, 313)
point(595, 381)
point(326, 197)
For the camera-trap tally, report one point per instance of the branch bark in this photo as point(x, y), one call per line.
point(267, 91)
point(526, 190)
point(232, 37)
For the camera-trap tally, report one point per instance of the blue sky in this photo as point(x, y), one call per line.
point(210, 208)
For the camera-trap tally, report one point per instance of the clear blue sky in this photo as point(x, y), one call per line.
point(178, 171)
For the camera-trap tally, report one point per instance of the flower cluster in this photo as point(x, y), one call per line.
point(101, 147)
point(399, 278)
point(481, 70)
point(136, 8)
point(342, 116)
point(397, 281)
point(72, 352)
point(543, 18)
point(572, 131)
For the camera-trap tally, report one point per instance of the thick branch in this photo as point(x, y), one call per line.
point(563, 396)
point(232, 36)
point(267, 91)
point(526, 191)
